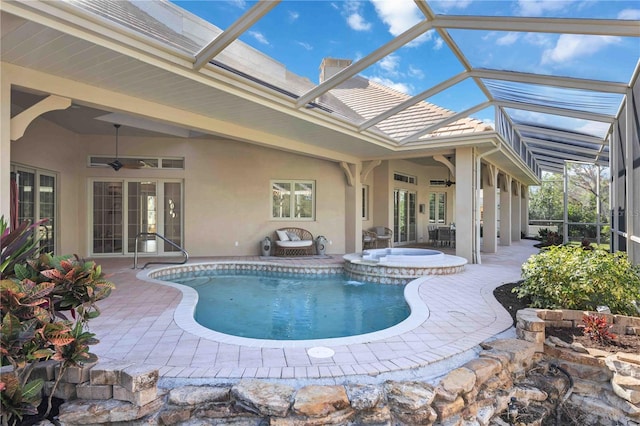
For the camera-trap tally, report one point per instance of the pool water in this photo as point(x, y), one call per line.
point(294, 307)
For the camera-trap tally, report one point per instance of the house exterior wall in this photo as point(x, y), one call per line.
point(227, 187)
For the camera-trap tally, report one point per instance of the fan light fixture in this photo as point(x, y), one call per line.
point(116, 164)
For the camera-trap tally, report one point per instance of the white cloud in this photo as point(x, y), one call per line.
point(541, 7)
point(306, 46)
point(416, 72)
point(399, 16)
point(572, 46)
point(594, 128)
point(537, 39)
point(438, 43)
point(633, 14)
point(390, 64)
point(239, 3)
point(455, 4)
point(353, 11)
point(259, 37)
point(293, 15)
point(507, 39)
point(400, 87)
point(358, 23)
point(489, 122)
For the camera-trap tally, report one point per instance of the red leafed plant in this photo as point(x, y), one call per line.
point(597, 328)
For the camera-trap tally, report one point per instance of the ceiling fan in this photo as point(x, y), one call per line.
point(116, 164)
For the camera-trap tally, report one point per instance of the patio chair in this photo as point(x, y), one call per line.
point(383, 235)
point(433, 235)
point(444, 236)
point(368, 239)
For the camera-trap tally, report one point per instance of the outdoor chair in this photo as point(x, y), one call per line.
point(293, 242)
point(368, 239)
point(444, 236)
point(383, 235)
point(433, 235)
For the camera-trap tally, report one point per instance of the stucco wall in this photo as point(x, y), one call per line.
point(226, 186)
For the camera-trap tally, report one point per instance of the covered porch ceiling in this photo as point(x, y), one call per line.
point(65, 45)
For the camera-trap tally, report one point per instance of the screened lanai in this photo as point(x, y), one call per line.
point(574, 99)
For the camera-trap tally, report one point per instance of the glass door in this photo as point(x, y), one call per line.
point(37, 200)
point(123, 210)
point(404, 216)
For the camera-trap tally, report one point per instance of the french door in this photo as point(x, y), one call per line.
point(404, 216)
point(37, 199)
point(126, 209)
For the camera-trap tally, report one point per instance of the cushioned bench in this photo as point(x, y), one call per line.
point(293, 242)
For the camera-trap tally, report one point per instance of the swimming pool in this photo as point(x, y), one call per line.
point(272, 306)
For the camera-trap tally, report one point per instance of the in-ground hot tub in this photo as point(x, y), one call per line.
point(403, 256)
point(400, 265)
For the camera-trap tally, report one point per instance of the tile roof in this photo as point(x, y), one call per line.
point(369, 99)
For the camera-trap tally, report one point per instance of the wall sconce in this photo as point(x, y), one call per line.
point(422, 208)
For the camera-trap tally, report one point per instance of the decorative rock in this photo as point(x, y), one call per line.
point(364, 397)
point(196, 395)
point(529, 393)
point(520, 350)
point(89, 391)
point(108, 373)
point(89, 412)
point(627, 388)
point(45, 370)
point(554, 341)
point(483, 368)
point(138, 377)
point(485, 412)
point(408, 396)
point(140, 397)
point(74, 373)
point(619, 363)
point(171, 416)
point(458, 381)
point(317, 401)
point(411, 401)
point(378, 416)
point(263, 398)
point(446, 409)
point(623, 405)
point(337, 418)
point(66, 391)
point(579, 347)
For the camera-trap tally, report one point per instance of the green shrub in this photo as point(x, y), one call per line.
point(568, 277)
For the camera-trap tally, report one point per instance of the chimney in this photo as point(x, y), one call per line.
point(331, 66)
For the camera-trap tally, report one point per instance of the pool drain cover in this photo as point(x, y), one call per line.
point(320, 352)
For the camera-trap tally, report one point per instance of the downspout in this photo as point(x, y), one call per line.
point(476, 251)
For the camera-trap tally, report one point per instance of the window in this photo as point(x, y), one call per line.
point(138, 162)
point(401, 177)
point(293, 199)
point(438, 207)
point(365, 202)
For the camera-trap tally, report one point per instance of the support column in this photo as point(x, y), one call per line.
point(490, 211)
point(505, 210)
point(515, 210)
point(353, 208)
point(464, 203)
point(524, 209)
point(5, 146)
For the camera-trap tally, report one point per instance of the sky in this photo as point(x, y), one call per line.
point(299, 34)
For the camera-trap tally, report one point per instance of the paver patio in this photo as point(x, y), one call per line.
point(137, 324)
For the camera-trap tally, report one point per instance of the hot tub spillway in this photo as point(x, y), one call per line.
point(400, 265)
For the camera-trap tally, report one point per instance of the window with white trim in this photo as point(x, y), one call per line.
point(293, 199)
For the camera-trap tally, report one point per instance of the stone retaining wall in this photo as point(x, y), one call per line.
point(512, 381)
point(473, 394)
point(606, 386)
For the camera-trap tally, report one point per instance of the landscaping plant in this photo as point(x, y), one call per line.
point(46, 303)
point(568, 277)
point(596, 327)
